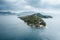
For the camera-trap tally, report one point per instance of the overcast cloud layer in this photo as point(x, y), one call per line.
point(47, 6)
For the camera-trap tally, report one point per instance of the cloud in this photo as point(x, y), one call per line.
point(52, 6)
point(12, 5)
point(51, 2)
point(33, 3)
point(10, 0)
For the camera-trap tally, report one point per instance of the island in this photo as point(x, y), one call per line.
point(35, 20)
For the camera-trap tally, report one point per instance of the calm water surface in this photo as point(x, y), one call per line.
point(12, 28)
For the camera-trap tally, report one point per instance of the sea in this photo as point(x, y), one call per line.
point(13, 28)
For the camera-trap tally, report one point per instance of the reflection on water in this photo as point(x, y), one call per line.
point(12, 28)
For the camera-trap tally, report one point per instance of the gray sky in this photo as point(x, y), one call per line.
point(47, 6)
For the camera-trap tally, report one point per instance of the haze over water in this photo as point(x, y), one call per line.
point(12, 28)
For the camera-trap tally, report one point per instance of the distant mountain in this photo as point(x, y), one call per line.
point(25, 13)
point(6, 13)
point(42, 16)
point(32, 13)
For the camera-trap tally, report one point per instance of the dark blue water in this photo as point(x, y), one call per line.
point(12, 28)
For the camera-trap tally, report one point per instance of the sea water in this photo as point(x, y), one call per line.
point(13, 28)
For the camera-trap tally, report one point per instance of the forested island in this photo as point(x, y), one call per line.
point(35, 20)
